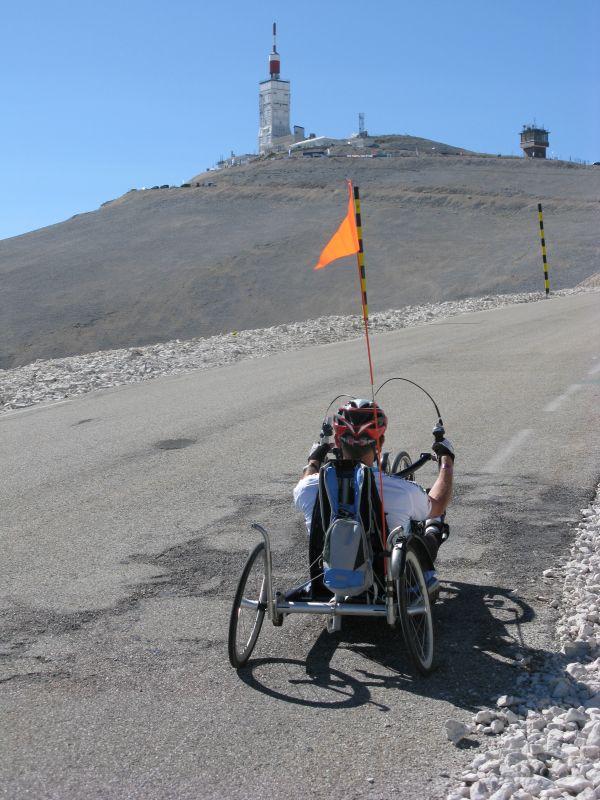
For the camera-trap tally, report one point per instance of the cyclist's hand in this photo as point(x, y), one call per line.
point(318, 452)
point(443, 447)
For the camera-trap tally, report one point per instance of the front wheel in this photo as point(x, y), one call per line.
point(414, 608)
point(402, 461)
point(249, 606)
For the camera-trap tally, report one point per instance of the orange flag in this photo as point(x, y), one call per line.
point(344, 241)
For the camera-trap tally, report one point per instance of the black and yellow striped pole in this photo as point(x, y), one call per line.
point(543, 243)
point(362, 275)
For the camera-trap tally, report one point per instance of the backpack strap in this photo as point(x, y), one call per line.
point(328, 494)
point(316, 543)
point(365, 502)
point(373, 508)
point(319, 523)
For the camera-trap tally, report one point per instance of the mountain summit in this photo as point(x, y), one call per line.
point(235, 249)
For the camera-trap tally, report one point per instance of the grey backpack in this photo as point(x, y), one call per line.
point(347, 550)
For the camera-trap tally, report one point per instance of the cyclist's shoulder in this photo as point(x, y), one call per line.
point(309, 482)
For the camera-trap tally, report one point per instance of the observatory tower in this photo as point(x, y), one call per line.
point(534, 141)
point(274, 106)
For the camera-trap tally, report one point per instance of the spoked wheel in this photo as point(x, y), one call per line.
point(249, 606)
point(415, 613)
point(402, 461)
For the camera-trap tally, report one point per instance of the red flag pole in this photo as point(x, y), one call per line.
point(360, 259)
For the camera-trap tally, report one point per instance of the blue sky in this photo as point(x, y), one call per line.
point(98, 98)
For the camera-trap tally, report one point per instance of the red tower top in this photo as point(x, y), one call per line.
point(274, 63)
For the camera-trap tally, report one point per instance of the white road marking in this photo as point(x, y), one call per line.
point(558, 401)
point(594, 370)
point(506, 452)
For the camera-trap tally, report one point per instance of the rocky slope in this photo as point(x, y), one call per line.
point(157, 265)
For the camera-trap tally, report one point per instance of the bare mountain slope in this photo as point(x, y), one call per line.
point(177, 263)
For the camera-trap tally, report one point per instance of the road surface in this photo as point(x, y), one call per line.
point(121, 553)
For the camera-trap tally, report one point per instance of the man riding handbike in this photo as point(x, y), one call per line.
point(359, 432)
point(367, 558)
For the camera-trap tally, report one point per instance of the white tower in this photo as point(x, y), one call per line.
point(274, 106)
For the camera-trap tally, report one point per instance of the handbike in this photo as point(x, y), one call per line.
point(402, 595)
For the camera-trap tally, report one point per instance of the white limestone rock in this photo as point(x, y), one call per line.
point(506, 700)
point(455, 730)
point(536, 784)
point(574, 784)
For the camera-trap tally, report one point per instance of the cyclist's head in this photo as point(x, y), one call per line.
point(359, 427)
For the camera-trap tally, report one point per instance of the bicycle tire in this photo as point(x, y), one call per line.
point(402, 461)
point(414, 610)
point(242, 639)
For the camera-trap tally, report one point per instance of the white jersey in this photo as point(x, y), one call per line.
point(403, 500)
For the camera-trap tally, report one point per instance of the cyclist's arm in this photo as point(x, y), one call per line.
point(310, 469)
point(440, 493)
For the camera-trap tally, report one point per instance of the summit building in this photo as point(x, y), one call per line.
point(274, 106)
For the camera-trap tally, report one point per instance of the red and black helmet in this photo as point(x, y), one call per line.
point(359, 422)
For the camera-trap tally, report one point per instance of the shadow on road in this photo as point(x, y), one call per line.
point(478, 635)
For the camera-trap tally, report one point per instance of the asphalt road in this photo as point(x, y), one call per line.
point(120, 559)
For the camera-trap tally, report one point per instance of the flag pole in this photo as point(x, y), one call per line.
point(362, 276)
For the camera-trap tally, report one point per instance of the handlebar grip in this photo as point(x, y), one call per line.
point(438, 432)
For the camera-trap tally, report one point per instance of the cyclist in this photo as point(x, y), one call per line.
point(359, 427)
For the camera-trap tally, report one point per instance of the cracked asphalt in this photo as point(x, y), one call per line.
point(124, 527)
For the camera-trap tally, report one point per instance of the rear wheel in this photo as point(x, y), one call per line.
point(249, 606)
point(402, 461)
point(414, 609)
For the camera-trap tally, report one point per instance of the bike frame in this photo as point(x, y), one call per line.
point(277, 606)
point(395, 553)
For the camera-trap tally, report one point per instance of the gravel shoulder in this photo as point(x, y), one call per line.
point(64, 378)
point(548, 743)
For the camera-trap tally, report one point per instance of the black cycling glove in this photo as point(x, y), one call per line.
point(443, 448)
point(318, 452)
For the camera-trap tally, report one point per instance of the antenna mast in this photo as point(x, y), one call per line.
point(274, 63)
point(361, 126)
